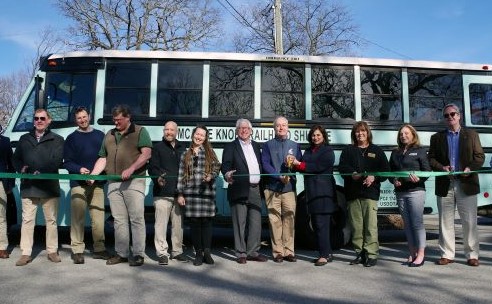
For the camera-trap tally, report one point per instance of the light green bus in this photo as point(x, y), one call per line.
point(215, 89)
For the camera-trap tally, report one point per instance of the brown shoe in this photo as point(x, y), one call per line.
point(78, 258)
point(278, 259)
point(258, 258)
point(116, 260)
point(241, 260)
point(24, 260)
point(54, 257)
point(444, 261)
point(473, 262)
point(290, 258)
point(4, 254)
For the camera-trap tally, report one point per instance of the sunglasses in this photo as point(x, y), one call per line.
point(42, 118)
point(452, 114)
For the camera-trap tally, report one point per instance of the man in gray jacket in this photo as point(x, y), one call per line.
point(39, 151)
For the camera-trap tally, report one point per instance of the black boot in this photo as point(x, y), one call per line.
point(207, 257)
point(198, 258)
point(361, 258)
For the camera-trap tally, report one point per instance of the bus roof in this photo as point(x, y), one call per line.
point(146, 54)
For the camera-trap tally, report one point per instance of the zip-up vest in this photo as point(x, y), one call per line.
point(122, 155)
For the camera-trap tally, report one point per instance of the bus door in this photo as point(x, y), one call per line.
point(477, 91)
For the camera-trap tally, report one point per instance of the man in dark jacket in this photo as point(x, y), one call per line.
point(39, 151)
point(456, 149)
point(6, 185)
point(164, 163)
point(242, 157)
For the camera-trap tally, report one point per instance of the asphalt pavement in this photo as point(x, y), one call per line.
point(228, 282)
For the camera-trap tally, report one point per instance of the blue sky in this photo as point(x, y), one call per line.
point(441, 30)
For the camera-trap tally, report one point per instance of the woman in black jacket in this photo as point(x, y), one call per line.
point(410, 191)
point(319, 185)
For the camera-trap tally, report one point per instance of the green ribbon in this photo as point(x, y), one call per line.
point(397, 174)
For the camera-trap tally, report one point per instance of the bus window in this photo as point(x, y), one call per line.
point(24, 122)
point(282, 91)
point(179, 88)
point(128, 83)
point(332, 91)
point(381, 94)
point(429, 92)
point(231, 89)
point(481, 103)
point(65, 92)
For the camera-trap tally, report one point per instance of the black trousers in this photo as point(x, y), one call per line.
point(322, 224)
point(201, 233)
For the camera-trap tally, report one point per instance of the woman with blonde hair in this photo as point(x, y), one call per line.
point(410, 190)
point(198, 170)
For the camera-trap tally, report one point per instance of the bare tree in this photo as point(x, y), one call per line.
point(141, 24)
point(310, 27)
point(12, 87)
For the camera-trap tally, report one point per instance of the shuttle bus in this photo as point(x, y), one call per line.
point(215, 89)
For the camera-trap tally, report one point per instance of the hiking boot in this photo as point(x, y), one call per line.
point(78, 258)
point(207, 258)
point(181, 258)
point(163, 260)
point(116, 260)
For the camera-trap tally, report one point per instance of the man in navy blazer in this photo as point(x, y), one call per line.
point(241, 167)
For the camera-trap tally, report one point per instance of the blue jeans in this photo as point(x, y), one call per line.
point(411, 205)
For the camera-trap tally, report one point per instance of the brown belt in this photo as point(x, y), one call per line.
point(253, 185)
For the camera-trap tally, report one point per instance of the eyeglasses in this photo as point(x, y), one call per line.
point(452, 114)
point(42, 118)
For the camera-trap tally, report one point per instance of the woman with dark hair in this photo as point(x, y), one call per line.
point(410, 191)
point(362, 191)
point(319, 185)
point(198, 169)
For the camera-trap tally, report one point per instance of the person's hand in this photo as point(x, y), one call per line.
point(126, 174)
point(447, 168)
point(228, 176)
point(161, 181)
point(466, 170)
point(181, 200)
point(368, 180)
point(397, 183)
point(207, 177)
point(24, 169)
point(285, 179)
point(413, 178)
point(84, 171)
point(289, 160)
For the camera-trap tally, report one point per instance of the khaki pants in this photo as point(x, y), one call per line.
point(126, 200)
point(4, 242)
point(84, 197)
point(165, 208)
point(467, 209)
point(281, 215)
point(50, 210)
